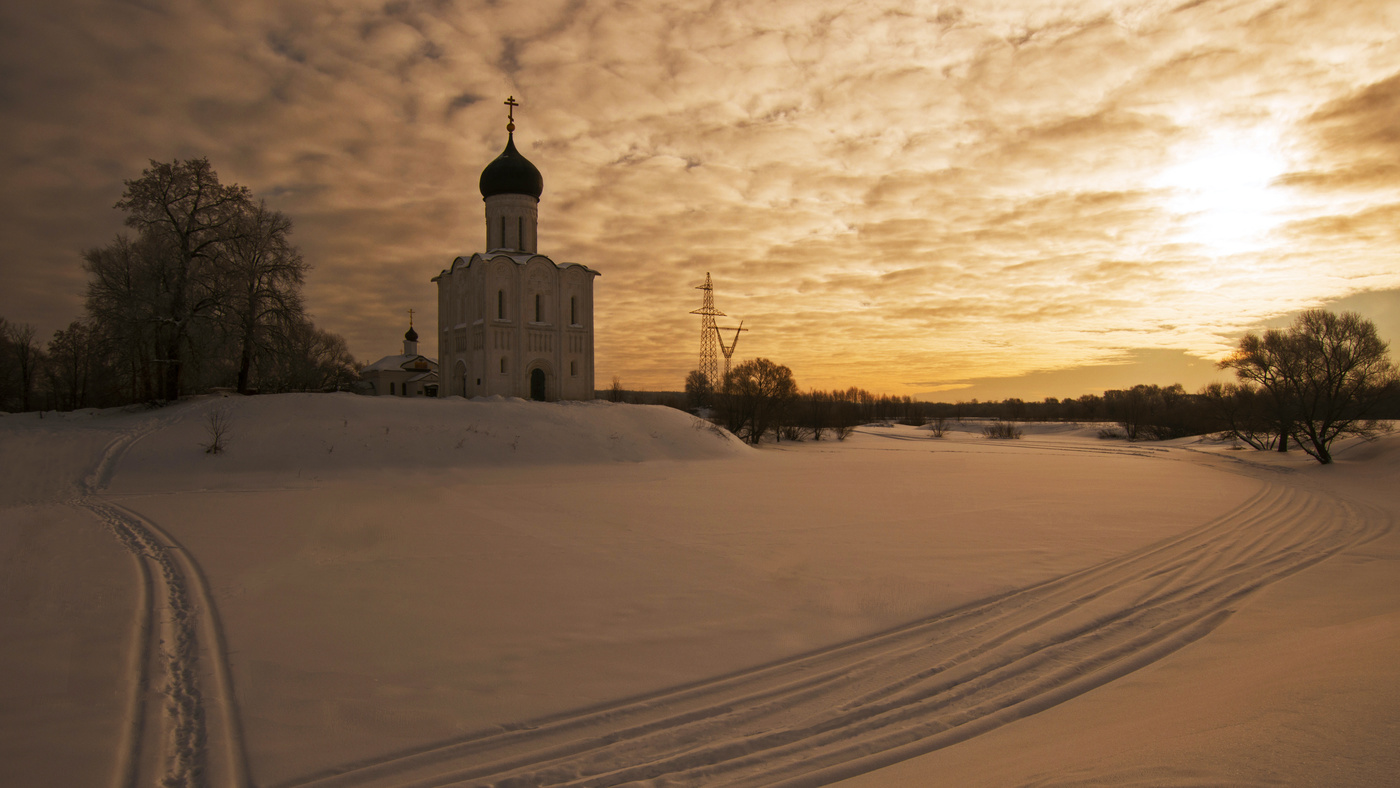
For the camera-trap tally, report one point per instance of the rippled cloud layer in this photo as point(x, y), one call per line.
point(903, 196)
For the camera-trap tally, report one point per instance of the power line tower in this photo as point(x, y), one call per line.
point(709, 360)
point(728, 350)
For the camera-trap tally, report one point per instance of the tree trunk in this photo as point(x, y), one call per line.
point(245, 361)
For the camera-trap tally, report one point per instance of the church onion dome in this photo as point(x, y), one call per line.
point(411, 335)
point(511, 173)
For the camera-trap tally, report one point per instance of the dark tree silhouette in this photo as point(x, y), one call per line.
point(698, 392)
point(1325, 375)
point(755, 397)
point(264, 274)
point(25, 358)
point(186, 217)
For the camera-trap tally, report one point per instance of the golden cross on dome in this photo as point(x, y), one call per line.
point(410, 318)
point(512, 103)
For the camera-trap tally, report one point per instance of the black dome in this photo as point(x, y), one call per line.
point(411, 335)
point(511, 173)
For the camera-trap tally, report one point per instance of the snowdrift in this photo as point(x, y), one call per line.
point(293, 435)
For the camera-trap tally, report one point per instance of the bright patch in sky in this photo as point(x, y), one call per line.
point(1224, 196)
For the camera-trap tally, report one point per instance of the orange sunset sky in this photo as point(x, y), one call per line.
point(945, 200)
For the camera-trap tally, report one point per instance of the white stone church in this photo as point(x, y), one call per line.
point(510, 320)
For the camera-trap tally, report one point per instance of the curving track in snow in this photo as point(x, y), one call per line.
point(182, 727)
point(834, 713)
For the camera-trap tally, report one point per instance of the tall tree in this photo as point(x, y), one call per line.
point(756, 395)
point(1325, 376)
point(123, 298)
point(72, 353)
point(264, 277)
point(25, 356)
point(183, 206)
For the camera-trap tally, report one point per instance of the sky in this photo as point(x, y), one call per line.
point(981, 199)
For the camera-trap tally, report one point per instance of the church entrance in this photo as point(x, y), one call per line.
point(459, 379)
point(537, 385)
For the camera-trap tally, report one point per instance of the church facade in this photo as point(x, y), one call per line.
point(511, 321)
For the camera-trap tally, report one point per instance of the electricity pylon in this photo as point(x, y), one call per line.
point(728, 350)
point(709, 361)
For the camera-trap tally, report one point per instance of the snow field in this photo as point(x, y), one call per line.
point(383, 592)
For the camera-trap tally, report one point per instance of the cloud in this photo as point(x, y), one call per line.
point(884, 193)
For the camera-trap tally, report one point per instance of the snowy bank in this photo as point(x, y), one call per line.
point(471, 581)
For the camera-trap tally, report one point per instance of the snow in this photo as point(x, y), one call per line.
point(377, 591)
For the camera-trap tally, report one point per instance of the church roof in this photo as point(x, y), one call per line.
point(399, 362)
point(511, 173)
point(519, 258)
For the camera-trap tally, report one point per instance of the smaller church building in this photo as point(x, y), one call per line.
point(511, 321)
point(406, 375)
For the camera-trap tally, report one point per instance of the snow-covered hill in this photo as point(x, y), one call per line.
point(533, 591)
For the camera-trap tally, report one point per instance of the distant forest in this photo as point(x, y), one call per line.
point(1326, 376)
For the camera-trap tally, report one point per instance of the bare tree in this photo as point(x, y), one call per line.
point(1243, 412)
point(698, 392)
point(845, 412)
point(72, 357)
point(264, 274)
point(26, 357)
point(309, 359)
point(183, 205)
point(207, 293)
point(123, 297)
point(755, 397)
point(216, 426)
point(1325, 374)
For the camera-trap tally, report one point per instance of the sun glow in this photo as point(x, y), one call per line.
point(1224, 196)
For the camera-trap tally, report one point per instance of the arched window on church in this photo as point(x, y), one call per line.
point(501, 304)
point(503, 365)
point(503, 232)
point(520, 242)
point(573, 310)
point(539, 309)
point(573, 368)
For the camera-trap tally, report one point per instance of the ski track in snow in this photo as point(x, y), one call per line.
point(178, 659)
point(803, 721)
point(842, 711)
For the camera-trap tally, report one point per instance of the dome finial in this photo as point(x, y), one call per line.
point(512, 103)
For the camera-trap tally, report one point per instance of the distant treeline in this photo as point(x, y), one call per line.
point(1143, 412)
point(1326, 376)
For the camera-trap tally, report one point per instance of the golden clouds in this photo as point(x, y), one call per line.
point(888, 193)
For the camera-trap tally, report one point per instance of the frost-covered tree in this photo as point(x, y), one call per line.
point(187, 218)
point(208, 292)
point(264, 273)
